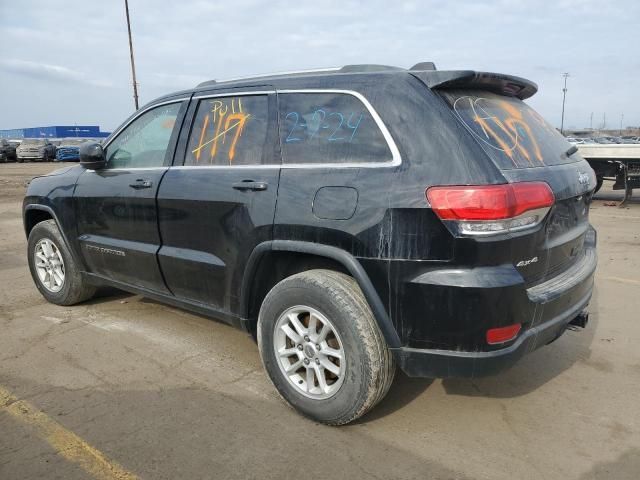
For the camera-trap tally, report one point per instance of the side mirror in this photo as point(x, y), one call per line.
point(92, 156)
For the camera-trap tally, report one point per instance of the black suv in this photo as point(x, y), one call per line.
point(350, 219)
point(7, 151)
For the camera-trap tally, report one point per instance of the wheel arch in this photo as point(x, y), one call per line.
point(35, 213)
point(259, 277)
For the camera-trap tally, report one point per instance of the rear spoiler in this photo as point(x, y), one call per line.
point(495, 82)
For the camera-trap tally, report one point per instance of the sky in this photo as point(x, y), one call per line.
point(67, 62)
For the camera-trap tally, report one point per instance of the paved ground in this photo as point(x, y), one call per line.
point(124, 386)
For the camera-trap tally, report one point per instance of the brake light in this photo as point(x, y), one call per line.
point(503, 334)
point(491, 209)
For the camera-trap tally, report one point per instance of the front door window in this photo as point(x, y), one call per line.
point(144, 142)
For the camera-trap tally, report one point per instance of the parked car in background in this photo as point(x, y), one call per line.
point(36, 149)
point(603, 140)
point(69, 150)
point(7, 151)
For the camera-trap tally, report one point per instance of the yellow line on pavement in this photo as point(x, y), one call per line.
point(622, 280)
point(65, 443)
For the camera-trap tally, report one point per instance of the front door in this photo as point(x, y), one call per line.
point(116, 206)
point(216, 207)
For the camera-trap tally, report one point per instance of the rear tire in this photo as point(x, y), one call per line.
point(53, 268)
point(354, 383)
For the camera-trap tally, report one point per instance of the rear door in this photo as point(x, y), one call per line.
point(526, 148)
point(218, 201)
point(116, 206)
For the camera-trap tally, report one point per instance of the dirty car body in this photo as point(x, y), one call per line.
point(363, 170)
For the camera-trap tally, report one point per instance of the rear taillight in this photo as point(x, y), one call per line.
point(491, 209)
point(503, 334)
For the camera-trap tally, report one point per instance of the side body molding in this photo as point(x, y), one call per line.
point(347, 260)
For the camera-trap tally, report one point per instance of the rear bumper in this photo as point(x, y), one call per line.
point(446, 363)
point(545, 314)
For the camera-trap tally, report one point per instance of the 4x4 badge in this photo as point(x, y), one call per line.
point(524, 263)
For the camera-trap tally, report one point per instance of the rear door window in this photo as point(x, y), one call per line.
point(229, 131)
point(512, 133)
point(329, 128)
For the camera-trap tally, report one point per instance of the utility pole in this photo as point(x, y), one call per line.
point(621, 118)
point(591, 122)
point(564, 95)
point(133, 65)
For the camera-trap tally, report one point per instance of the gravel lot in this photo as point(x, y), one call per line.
point(162, 393)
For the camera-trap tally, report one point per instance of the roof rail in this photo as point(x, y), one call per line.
point(423, 66)
point(368, 67)
point(267, 75)
point(357, 68)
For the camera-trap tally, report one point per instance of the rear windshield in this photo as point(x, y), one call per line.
point(513, 134)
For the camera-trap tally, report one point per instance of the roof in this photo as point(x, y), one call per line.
point(359, 68)
point(425, 71)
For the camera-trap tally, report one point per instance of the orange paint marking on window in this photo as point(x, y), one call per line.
point(222, 122)
point(202, 132)
point(516, 118)
point(239, 126)
point(512, 123)
point(169, 123)
point(503, 145)
point(214, 146)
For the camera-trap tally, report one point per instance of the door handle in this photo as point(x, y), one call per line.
point(140, 184)
point(250, 185)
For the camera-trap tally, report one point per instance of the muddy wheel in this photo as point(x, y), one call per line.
point(52, 267)
point(322, 347)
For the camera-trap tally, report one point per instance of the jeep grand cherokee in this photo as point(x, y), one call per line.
point(352, 220)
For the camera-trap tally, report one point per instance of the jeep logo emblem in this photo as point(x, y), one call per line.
point(583, 178)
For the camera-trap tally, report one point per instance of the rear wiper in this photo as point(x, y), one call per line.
point(571, 151)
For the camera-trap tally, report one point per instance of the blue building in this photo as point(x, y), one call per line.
point(57, 131)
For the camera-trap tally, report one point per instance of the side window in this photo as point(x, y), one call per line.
point(329, 128)
point(144, 142)
point(230, 131)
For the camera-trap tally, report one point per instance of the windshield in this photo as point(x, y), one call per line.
point(33, 141)
point(513, 134)
point(71, 142)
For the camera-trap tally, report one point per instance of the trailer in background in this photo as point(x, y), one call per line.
point(617, 162)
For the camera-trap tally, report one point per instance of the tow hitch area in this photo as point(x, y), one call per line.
point(580, 321)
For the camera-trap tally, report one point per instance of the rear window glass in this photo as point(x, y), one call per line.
point(513, 134)
point(329, 128)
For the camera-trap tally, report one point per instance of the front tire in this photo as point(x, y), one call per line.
point(53, 268)
point(322, 348)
